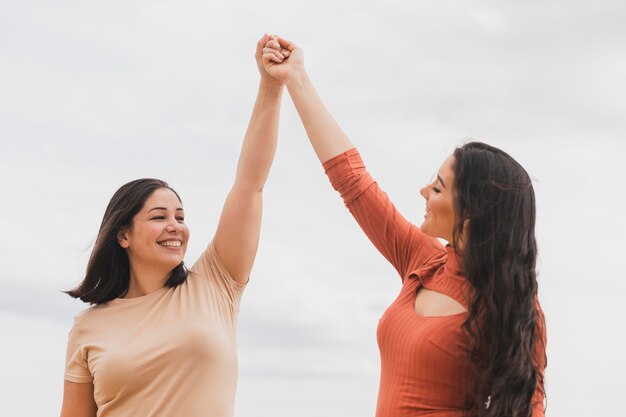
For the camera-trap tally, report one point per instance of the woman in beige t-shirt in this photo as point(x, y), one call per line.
point(159, 339)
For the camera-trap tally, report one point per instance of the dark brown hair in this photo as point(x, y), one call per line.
point(495, 216)
point(108, 270)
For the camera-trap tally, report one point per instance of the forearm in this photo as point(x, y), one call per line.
point(237, 236)
point(326, 136)
point(259, 145)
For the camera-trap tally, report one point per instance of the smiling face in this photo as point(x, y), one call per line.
point(158, 236)
point(439, 219)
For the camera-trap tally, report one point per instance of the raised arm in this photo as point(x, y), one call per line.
point(400, 242)
point(237, 236)
point(326, 136)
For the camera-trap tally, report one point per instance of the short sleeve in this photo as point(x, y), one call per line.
point(210, 266)
point(76, 367)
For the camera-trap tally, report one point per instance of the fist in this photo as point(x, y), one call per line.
point(282, 59)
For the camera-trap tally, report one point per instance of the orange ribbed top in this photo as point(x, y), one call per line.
point(424, 366)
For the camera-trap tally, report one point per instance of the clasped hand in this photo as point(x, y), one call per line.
point(280, 58)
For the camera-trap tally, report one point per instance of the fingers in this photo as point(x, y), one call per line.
point(274, 48)
point(264, 39)
point(273, 43)
point(271, 54)
point(277, 42)
point(284, 43)
point(261, 43)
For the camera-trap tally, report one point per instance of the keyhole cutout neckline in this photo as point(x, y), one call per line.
point(432, 304)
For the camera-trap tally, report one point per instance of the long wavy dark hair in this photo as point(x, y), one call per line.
point(108, 270)
point(495, 219)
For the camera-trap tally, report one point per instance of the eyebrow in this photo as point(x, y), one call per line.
point(441, 181)
point(163, 208)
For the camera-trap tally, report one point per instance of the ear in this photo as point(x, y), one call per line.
point(122, 239)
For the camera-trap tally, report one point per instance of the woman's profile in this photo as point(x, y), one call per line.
point(466, 335)
point(159, 339)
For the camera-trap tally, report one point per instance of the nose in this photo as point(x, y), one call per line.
point(424, 192)
point(174, 226)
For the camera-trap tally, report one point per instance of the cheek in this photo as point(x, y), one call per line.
point(146, 233)
point(437, 206)
point(153, 231)
point(443, 208)
point(449, 209)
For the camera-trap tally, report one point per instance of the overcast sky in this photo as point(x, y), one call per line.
point(95, 94)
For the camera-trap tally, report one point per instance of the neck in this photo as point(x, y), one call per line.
point(145, 280)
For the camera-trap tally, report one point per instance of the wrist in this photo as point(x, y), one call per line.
point(296, 78)
point(270, 84)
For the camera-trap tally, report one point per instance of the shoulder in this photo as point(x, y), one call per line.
point(211, 271)
point(210, 266)
point(85, 319)
point(431, 257)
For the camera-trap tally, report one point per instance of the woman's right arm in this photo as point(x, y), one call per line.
point(326, 136)
point(402, 243)
point(78, 400)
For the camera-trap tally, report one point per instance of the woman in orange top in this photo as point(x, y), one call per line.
point(466, 335)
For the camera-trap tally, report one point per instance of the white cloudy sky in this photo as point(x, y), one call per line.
point(94, 94)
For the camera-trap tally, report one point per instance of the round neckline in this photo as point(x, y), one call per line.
point(139, 299)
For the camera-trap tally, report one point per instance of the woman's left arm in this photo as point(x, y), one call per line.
point(237, 236)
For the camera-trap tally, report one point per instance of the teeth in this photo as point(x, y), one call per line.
point(172, 243)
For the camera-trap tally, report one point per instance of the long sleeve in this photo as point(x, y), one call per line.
point(402, 243)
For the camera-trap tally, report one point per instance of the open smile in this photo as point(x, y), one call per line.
point(171, 243)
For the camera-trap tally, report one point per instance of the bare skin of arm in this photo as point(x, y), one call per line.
point(327, 138)
point(237, 237)
point(78, 400)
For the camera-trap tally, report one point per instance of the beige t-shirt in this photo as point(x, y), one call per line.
point(169, 353)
